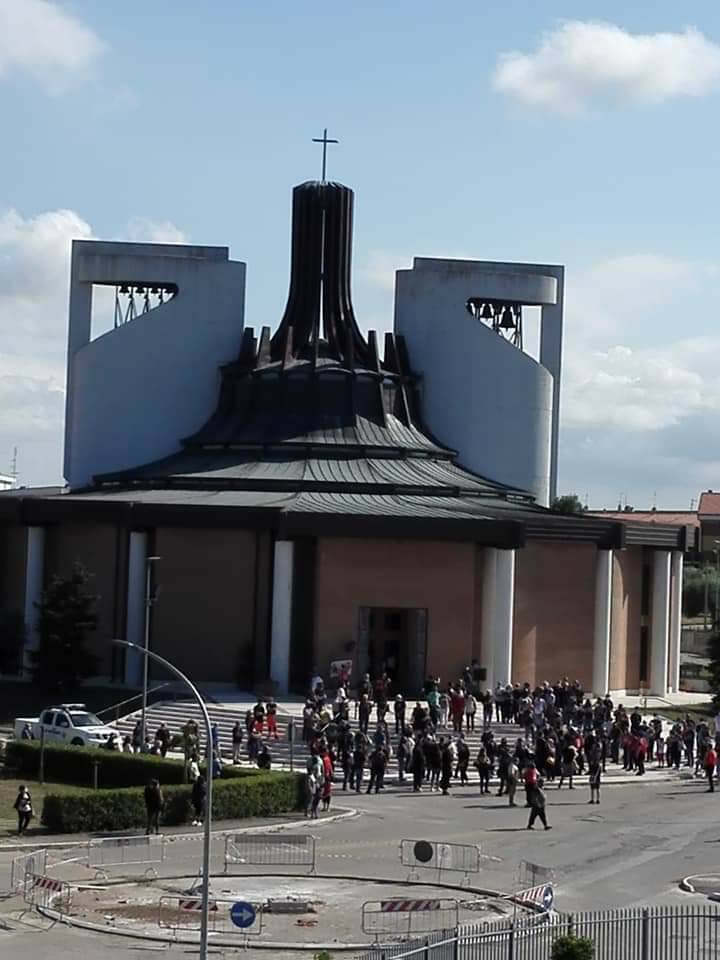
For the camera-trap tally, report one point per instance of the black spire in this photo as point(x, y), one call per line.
point(319, 320)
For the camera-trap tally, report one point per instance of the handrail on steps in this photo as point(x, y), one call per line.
point(136, 696)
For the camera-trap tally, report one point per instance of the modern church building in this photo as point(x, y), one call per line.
point(315, 494)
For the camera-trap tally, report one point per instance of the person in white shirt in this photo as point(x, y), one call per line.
point(470, 711)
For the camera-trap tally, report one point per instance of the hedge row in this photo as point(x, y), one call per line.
point(66, 764)
point(254, 795)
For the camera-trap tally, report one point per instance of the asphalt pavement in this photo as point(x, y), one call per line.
point(633, 849)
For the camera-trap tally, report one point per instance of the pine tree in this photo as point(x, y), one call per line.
point(67, 613)
point(569, 503)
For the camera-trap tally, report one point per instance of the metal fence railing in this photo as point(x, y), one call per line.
point(648, 933)
point(419, 855)
point(141, 851)
point(25, 865)
point(43, 891)
point(405, 917)
point(271, 850)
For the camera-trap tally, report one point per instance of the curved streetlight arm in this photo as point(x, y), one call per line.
point(205, 914)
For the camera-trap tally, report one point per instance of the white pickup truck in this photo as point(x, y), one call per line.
point(69, 723)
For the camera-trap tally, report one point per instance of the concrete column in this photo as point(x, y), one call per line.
point(34, 582)
point(281, 614)
point(503, 614)
point(601, 629)
point(676, 572)
point(660, 623)
point(487, 641)
point(79, 331)
point(135, 609)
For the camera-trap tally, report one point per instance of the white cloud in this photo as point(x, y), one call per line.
point(145, 230)
point(34, 265)
point(581, 62)
point(640, 389)
point(38, 37)
point(34, 273)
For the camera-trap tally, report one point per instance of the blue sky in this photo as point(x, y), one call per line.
point(596, 146)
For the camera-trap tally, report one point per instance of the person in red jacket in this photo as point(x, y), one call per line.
point(530, 778)
point(710, 764)
point(457, 708)
point(328, 772)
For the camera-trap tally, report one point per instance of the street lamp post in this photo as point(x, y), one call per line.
point(205, 912)
point(716, 616)
point(146, 660)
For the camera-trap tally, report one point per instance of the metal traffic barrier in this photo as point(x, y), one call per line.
point(402, 916)
point(25, 866)
point(533, 874)
point(541, 897)
point(226, 918)
point(44, 891)
point(429, 855)
point(271, 850)
point(126, 851)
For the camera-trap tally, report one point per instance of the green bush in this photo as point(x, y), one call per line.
point(66, 764)
point(572, 948)
point(234, 798)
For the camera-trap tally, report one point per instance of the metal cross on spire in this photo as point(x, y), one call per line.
point(324, 140)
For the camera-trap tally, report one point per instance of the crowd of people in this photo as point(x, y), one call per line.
point(563, 733)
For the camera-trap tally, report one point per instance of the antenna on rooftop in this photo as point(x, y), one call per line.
point(13, 466)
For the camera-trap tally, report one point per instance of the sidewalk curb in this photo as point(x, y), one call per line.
point(347, 814)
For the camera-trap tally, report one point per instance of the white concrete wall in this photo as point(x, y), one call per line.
point(480, 395)
point(136, 391)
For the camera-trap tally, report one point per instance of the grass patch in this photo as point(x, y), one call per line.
point(38, 792)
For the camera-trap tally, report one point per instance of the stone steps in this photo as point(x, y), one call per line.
point(174, 714)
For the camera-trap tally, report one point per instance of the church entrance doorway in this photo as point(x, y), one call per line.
point(394, 640)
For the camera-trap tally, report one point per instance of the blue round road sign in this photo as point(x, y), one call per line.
point(548, 898)
point(242, 914)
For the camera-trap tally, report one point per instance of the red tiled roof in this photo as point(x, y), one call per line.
point(675, 518)
point(709, 503)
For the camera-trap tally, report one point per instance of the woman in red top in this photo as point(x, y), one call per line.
point(530, 778)
point(327, 780)
point(710, 764)
point(457, 708)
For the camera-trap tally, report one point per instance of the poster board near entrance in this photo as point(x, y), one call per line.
point(339, 666)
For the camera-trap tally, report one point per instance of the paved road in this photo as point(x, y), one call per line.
point(633, 849)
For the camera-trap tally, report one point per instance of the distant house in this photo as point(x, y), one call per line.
point(709, 521)
point(689, 519)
